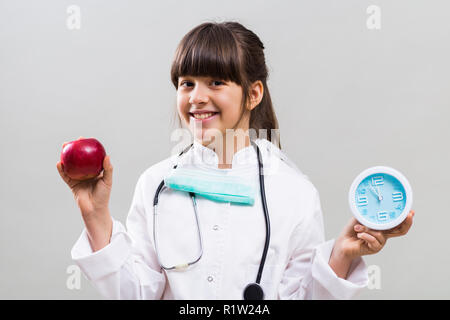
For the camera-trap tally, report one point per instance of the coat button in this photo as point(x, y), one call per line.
point(210, 278)
point(216, 227)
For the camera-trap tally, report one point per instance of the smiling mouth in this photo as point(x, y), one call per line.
point(203, 115)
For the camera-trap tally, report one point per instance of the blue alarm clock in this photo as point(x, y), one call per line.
point(380, 198)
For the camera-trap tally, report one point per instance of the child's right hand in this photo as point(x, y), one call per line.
point(92, 197)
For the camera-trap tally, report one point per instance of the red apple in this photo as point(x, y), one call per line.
point(83, 159)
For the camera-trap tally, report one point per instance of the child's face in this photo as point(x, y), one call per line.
point(213, 103)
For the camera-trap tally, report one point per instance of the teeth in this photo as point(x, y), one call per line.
point(202, 115)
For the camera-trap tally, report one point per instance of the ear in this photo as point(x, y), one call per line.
point(256, 94)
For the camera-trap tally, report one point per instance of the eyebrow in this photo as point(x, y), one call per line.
point(191, 77)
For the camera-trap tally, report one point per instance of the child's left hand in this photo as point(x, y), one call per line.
point(358, 240)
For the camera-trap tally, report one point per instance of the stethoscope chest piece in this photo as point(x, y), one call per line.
point(253, 291)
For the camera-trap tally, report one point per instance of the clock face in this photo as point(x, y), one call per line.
point(380, 198)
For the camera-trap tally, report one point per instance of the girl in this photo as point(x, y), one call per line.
point(220, 75)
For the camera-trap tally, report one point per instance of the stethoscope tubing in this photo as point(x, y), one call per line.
point(266, 215)
point(161, 188)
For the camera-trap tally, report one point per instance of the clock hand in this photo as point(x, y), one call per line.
point(375, 192)
point(380, 196)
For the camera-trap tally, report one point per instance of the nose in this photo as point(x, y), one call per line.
point(199, 95)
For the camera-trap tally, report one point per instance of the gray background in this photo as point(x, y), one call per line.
point(347, 98)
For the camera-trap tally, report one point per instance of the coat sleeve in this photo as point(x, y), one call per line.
point(307, 274)
point(127, 267)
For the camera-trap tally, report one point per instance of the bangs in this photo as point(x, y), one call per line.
point(207, 51)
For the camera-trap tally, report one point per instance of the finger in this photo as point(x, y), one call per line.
point(63, 175)
point(70, 182)
point(80, 137)
point(403, 228)
point(372, 242)
point(349, 228)
point(358, 227)
point(379, 235)
point(108, 171)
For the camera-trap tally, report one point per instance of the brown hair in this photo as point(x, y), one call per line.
point(230, 52)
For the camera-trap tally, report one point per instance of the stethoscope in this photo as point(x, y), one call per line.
point(253, 291)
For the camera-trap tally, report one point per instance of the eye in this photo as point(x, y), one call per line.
point(218, 81)
point(185, 82)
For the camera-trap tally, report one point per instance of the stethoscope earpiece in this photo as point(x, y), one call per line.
point(253, 291)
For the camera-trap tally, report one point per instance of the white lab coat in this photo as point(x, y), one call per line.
point(233, 238)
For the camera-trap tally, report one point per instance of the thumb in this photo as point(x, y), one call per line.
point(108, 171)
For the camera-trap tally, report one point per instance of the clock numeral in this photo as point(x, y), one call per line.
point(382, 216)
point(377, 181)
point(363, 201)
point(397, 196)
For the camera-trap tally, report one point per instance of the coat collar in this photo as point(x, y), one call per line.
point(243, 160)
point(206, 157)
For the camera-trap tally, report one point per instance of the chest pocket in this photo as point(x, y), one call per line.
point(176, 228)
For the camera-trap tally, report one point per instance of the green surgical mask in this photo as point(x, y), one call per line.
point(212, 185)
